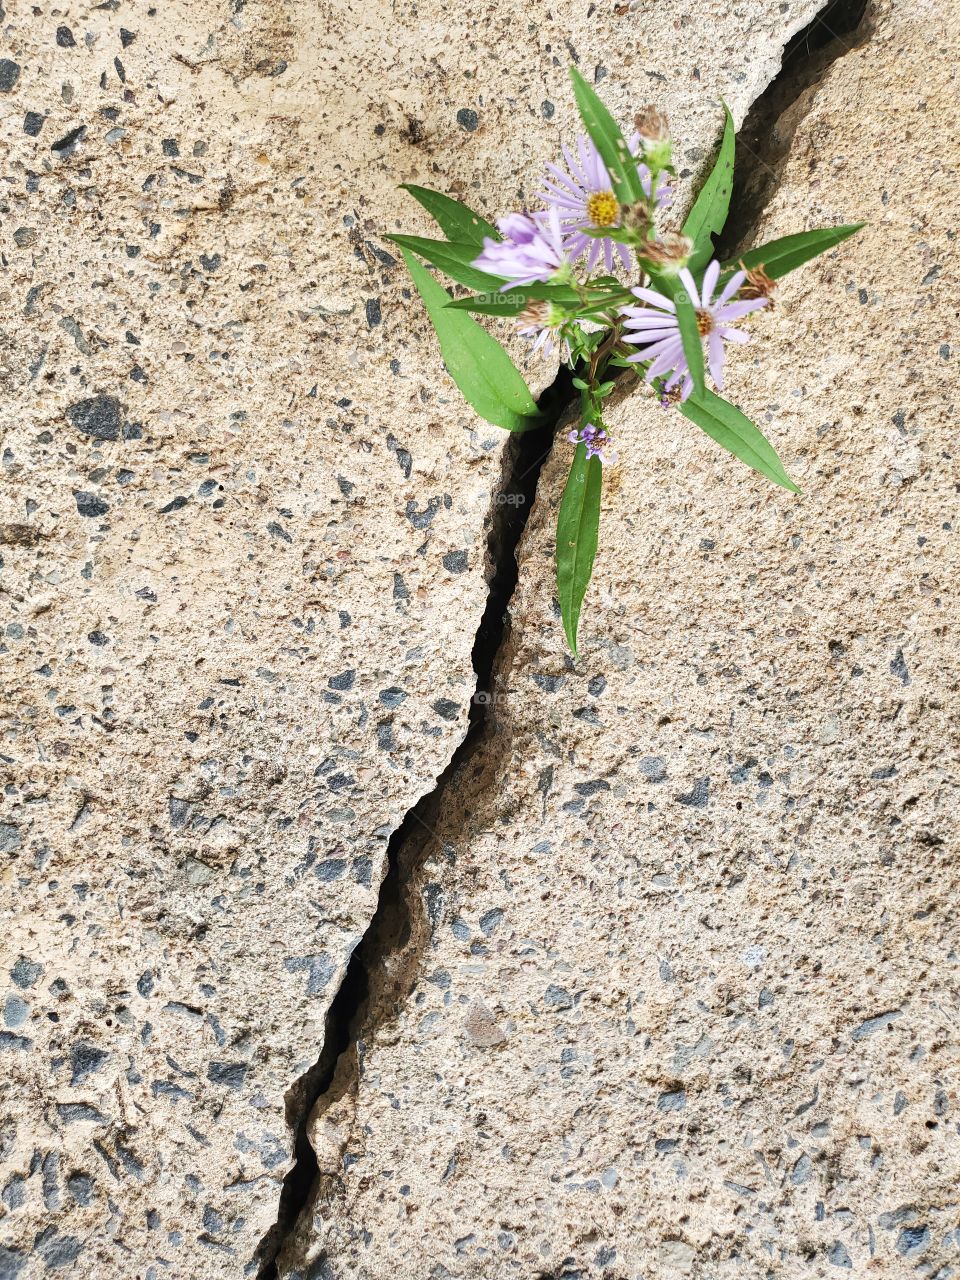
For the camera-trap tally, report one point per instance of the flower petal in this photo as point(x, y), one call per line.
point(715, 358)
point(688, 282)
point(650, 319)
point(647, 337)
point(655, 299)
point(731, 287)
point(653, 349)
point(710, 277)
point(734, 310)
point(573, 166)
point(670, 358)
point(732, 335)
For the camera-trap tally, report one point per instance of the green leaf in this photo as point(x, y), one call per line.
point(456, 220)
point(578, 531)
point(710, 209)
point(511, 301)
point(487, 377)
point(674, 289)
point(690, 337)
point(453, 258)
point(780, 256)
point(724, 422)
point(609, 141)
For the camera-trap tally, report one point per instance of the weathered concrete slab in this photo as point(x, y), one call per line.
point(243, 545)
point(683, 959)
point(243, 521)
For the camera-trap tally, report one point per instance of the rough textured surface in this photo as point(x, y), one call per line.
point(243, 562)
point(681, 993)
point(686, 1003)
point(243, 539)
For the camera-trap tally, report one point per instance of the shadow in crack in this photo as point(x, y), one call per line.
point(382, 968)
point(397, 916)
point(768, 130)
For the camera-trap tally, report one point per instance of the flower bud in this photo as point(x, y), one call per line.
point(668, 254)
point(652, 125)
point(637, 218)
point(654, 132)
point(757, 284)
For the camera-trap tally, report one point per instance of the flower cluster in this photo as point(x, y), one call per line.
point(583, 224)
point(590, 276)
point(583, 216)
point(595, 441)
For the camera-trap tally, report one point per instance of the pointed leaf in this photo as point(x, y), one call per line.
point(578, 526)
point(453, 258)
point(512, 300)
point(487, 377)
point(786, 254)
point(725, 423)
point(456, 220)
point(673, 288)
point(609, 141)
point(690, 337)
point(710, 209)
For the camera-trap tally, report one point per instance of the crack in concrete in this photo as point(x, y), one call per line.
point(766, 135)
point(382, 968)
point(389, 929)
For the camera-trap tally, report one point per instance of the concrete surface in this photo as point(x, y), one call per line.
point(681, 996)
point(244, 521)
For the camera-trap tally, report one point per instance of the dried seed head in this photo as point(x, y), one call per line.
point(757, 284)
point(651, 125)
point(637, 217)
point(670, 252)
point(535, 313)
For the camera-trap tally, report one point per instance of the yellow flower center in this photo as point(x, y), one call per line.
point(603, 209)
point(704, 323)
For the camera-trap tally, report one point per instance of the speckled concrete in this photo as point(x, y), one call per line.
point(243, 541)
point(243, 528)
point(683, 976)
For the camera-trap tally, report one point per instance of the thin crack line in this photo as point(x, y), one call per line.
point(518, 476)
point(341, 1023)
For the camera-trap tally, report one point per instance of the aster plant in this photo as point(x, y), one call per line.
point(592, 277)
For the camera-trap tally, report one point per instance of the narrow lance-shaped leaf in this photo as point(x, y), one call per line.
point(709, 213)
point(453, 258)
point(725, 423)
point(786, 254)
point(512, 301)
point(488, 378)
point(578, 531)
point(515, 299)
point(686, 311)
point(456, 220)
point(690, 337)
point(609, 141)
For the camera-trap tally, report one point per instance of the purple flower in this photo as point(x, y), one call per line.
point(543, 324)
point(596, 442)
point(656, 330)
point(530, 252)
point(584, 198)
